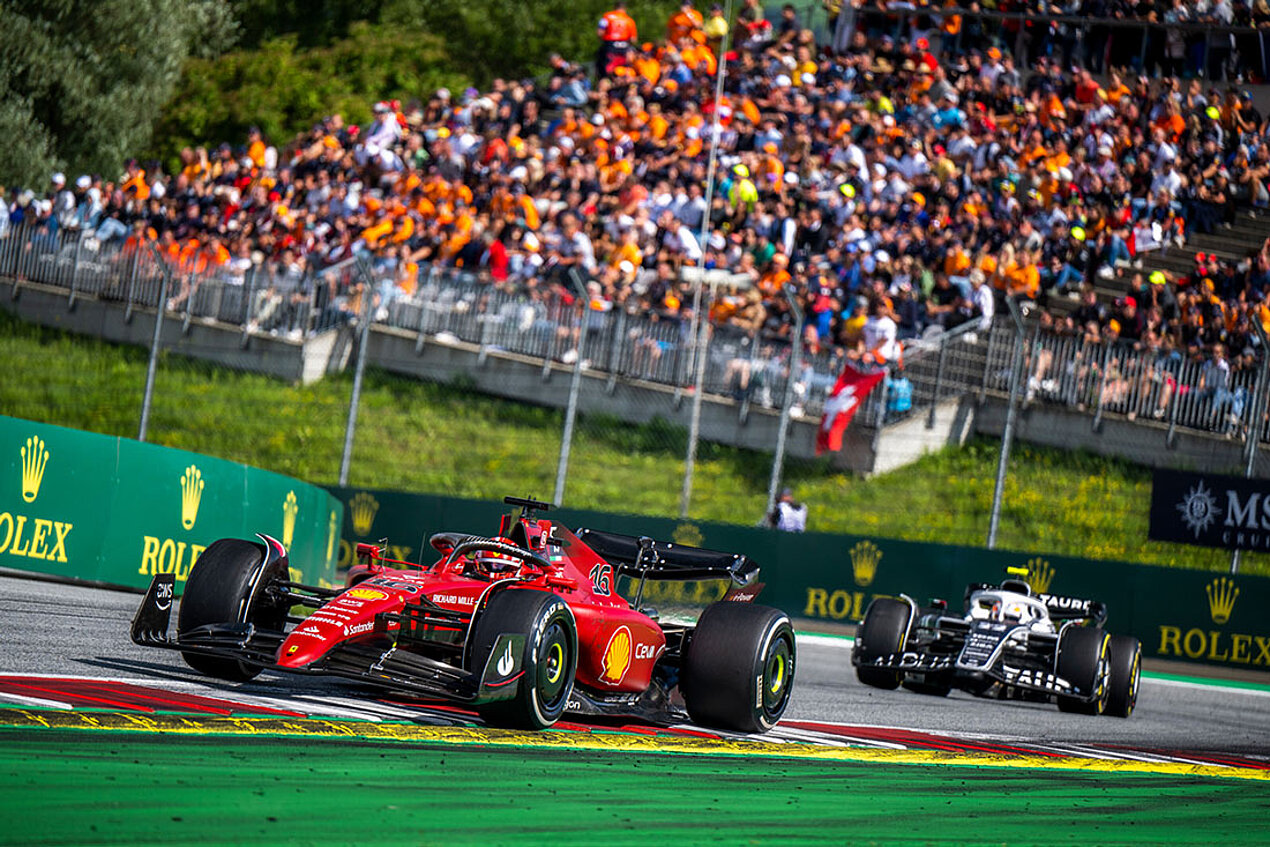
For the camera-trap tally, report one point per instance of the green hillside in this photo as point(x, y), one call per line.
point(441, 438)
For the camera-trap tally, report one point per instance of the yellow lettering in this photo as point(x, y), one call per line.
point(16, 551)
point(179, 569)
point(857, 608)
point(1263, 650)
point(149, 556)
point(1239, 645)
point(59, 546)
point(1186, 643)
point(167, 556)
point(1212, 648)
point(5, 517)
point(815, 603)
point(1170, 635)
point(196, 550)
point(402, 554)
point(38, 534)
point(839, 604)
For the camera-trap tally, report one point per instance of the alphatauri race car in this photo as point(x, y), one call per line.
point(522, 627)
point(1008, 643)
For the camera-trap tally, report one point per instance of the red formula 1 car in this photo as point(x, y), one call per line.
point(523, 626)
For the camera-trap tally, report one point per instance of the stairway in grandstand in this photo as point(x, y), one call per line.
point(1245, 235)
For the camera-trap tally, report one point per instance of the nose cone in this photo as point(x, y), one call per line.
point(348, 617)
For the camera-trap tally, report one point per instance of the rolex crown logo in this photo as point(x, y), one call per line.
point(364, 507)
point(865, 557)
point(191, 495)
point(34, 459)
point(290, 508)
point(687, 534)
point(1039, 575)
point(1222, 594)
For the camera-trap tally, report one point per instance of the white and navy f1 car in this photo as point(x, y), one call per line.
point(1008, 643)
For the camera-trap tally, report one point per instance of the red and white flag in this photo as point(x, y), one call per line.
point(847, 395)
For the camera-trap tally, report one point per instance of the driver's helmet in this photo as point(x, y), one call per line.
point(492, 562)
point(1011, 611)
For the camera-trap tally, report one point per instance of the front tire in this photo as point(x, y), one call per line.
point(739, 669)
point(884, 631)
point(1083, 656)
point(1125, 657)
point(219, 586)
point(549, 659)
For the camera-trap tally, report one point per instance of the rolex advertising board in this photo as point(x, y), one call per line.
point(827, 578)
point(103, 509)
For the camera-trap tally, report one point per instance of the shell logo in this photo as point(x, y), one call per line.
point(617, 657)
point(366, 594)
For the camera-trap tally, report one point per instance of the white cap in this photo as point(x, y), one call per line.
point(59, 178)
point(783, 81)
point(882, 256)
point(808, 79)
point(83, 182)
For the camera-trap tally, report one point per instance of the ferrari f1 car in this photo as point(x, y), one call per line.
point(1009, 643)
point(523, 627)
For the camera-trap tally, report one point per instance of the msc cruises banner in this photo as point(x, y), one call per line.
point(1210, 510)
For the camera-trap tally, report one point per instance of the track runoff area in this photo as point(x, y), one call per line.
point(105, 742)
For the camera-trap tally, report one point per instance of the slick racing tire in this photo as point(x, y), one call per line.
point(1125, 657)
point(548, 660)
point(1083, 660)
point(883, 632)
point(739, 668)
point(219, 585)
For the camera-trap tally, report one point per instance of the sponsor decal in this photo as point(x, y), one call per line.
point(1058, 603)
point(25, 536)
point(358, 628)
point(1222, 594)
point(363, 508)
point(616, 659)
point(290, 508)
point(365, 594)
point(163, 597)
point(35, 458)
point(395, 584)
point(453, 599)
point(647, 651)
point(506, 662)
point(291, 651)
point(344, 601)
point(744, 593)
point(1035, 679)
point(167, 555)
point(865, 557)
point(191, 495)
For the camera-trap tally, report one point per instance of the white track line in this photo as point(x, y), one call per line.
point(19, 700)
point(1204, 686)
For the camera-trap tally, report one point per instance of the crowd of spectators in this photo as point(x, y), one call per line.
point(897, 187)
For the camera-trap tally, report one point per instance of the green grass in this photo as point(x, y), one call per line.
point(447, 439)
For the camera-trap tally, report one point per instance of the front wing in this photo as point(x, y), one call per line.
point(392, 668)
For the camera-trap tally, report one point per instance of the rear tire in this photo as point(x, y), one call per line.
point(219, 585)
point(739, 669)
point(1083, 661)
point(884, 631)
point(549, 660)
point(1125, 654)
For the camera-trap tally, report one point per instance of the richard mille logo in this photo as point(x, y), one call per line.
point(1199, 509)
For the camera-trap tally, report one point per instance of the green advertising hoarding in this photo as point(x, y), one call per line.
point(96, 508)
point(1195, 616)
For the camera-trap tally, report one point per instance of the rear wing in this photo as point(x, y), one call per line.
point(642, 556)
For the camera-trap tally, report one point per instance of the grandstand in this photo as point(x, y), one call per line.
point(905, 186)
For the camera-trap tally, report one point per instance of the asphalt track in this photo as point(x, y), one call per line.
point(57, 630)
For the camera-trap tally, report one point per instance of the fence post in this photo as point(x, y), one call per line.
point(939, 381)
point(165, 274)
point(1102, 388)
point(795, 369)
point(70, 301)
point(1007, 435)
point(132, 283)
point(363, 331)
point(575, 385)
point(615, 349)
point(249, 298)
point(694, 421)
